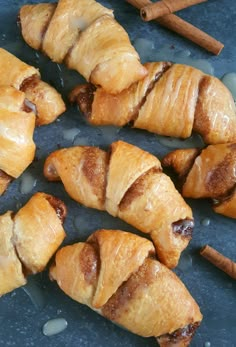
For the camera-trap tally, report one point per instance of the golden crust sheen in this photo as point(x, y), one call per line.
point(130, 286)
point(38, 232)
point(207, 173)
point(84, 35)
point(15, 73)
point(17, 147)
point(127, 182)
point(172, 100)
point(11, 273)
point(28, 239)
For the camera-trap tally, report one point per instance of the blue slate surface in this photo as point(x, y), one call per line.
point(21, 321)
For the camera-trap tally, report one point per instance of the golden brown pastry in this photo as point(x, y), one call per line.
point(14, 72)
point(17, 123)
point(208, 173)
point(116, 274)
point(84, 35)
point(29, 238)
point(172, 100)
point(128, 183)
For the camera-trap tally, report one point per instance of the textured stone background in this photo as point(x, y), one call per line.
point(20, 320)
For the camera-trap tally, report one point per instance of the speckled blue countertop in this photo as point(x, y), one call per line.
point(22, 318)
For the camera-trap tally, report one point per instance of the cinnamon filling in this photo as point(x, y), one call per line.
point(29, 82)
point(26, 86)
point(188, 166)
point(84, 96)
point(219, 200)
point(180, 335)
point(130, 289)
point(50, 172)
point(166, 66)
point(95, 168)
point(137, 189)
point(220, 184)
point(28, 107)
point(90, 262)
point(183, 227)
point(58, 206)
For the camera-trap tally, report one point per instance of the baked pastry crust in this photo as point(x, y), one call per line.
point(14, 72)
point(29, 238)
point(11, 272)
point(172, 100)
point(17, 123)
point(89, 40)
point(128, 183)
point(207, 173)
point(116, 274)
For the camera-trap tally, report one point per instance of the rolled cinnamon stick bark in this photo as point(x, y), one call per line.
point(183, 28)
point(164, 7)
point(219, 260)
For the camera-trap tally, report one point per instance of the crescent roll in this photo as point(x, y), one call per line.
point(116, 274)
point(172, 100)
point(208, 173)
point(29, 238)
point(17, 123)
point(14, 72)
point(128, 183)
point(86, 37)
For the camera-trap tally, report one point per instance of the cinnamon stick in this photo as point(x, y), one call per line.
point(164, 7)
point(183, 28)
point(219, 260)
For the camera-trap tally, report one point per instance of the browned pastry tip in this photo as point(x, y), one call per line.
point(179, 338)
point(29, 238)
point(89, 40)
point(83, 95)
point(181, 160)
point(128, 183)
point(226, 205)
point(116, 274)
point(49, 105)
point(209, 173)
point(45, 100)
point(59, 207)
point(172, 100)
